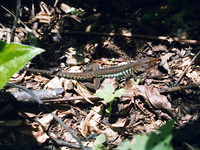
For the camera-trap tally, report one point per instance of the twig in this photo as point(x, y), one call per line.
point(26, 27)
point(41, 94)
point(186, 69)
point(15, 20)
point(176, 39)
point(49, 111)
point(93, 97)
point(64, 99)
point(179, 88)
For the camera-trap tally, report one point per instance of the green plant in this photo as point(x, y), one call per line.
point(13, 57)
point(74, 11)
point(160, 140)
point(108, 94)
point(99, 142)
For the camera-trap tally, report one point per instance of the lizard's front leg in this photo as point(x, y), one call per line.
point(96, 81)
point(94, 85)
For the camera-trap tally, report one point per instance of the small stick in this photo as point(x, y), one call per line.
point(15, 20)
point(170, 39)
point(179, 88)
point(186, 69)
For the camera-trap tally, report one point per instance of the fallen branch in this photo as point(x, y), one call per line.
point(92, 97)
point(165, 38)
point(186, 69)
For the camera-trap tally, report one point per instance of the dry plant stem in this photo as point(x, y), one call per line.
point(185, 71)
point(15, 20)
point(179, 88)
point(26, 27)
point(49, 111)
point(92, 97)
point(64, 143)
point(165, 38)
point(41, 94)
point(85, 97)
point(12, 14)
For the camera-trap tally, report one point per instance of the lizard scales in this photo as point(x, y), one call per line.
point(119, 72)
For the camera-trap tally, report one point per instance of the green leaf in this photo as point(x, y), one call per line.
point(126, 146)
point(153, 141)
point(13, 57)
point(96, 148)
point(119, 92)
point(100, 93)
point(109, 88)
point(100, 140)
point(106, 93)
point(109, 109)
point(109, 98)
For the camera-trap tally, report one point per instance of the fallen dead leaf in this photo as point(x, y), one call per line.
point(89, 124)
point(84, 125)
point(110, 134)
point(164, 63)
point(194, 76)
point(82, 91)
point(157, 102)
point(41, 135)
point(120, 123)
point(54, 84)
point(186, 62)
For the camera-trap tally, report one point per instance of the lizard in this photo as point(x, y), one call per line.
point(93, 72)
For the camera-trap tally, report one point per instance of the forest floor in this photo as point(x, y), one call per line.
point(79, 33)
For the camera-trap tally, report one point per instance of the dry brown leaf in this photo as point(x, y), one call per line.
point(31, 115)
point(159, 103)
point(41, 135)
point(82, 91)
point(157, 100)
point(84, 127)
point(194, 76)
point(89, 124)
point(46, 121)
point(186, 62)
point(40, 78)
point(64, 7)
point(54, 83)
point(68, 137)
point(67, 84)
point(96, 118)
point(120, 123)
point(164, 63)
point(110, 134)
point(154, 72)
point(153, 126)
point(159, 47)
point(63, 113)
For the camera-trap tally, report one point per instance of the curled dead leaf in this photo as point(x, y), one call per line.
point(157, 102)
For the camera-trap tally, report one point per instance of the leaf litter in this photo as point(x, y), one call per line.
point(143, 108)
